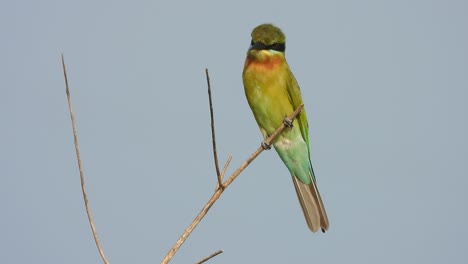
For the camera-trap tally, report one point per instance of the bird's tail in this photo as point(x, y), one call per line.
point(311, 204)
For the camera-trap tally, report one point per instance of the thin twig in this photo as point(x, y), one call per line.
point(210, 256)
point(223, 172)
point(80, 167)
point(220, 189)
point(213, 135)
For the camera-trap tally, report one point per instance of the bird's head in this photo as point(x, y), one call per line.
point(267, 40)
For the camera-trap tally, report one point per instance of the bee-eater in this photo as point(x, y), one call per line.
point(273, 94)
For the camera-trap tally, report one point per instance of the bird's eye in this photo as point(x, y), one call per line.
point(252, 42)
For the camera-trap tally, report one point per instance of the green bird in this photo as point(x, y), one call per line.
point(273, 94)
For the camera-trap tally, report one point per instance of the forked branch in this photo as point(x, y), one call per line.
point(222, 186)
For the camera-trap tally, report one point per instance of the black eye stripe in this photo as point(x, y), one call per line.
point(281, 47)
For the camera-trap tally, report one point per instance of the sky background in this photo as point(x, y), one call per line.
point(385, 85)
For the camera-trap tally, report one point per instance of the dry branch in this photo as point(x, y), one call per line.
point(222, 186)
point(80, 167)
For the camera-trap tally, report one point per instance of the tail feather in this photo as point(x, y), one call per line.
point(312, 206)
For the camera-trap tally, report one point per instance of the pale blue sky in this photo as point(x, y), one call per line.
point(385, 85)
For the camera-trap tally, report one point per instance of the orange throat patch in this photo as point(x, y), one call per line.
point(267, 62)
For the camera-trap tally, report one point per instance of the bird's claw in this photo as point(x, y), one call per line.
point(288, 122)
point(266, 146)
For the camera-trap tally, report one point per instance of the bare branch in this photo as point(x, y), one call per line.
point(80, 167)
point(210, 256)
point(223, 186)
point(213, 136)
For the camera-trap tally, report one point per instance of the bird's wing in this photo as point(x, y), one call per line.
point(295, 97)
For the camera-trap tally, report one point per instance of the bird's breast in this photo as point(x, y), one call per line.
point(265, 84)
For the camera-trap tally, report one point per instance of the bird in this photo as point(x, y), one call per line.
point(273, 94)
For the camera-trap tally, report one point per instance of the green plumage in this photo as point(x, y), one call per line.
point(273, 94)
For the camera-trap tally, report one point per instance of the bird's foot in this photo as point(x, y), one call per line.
point(288, 122)
point(266, 146)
